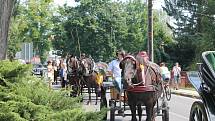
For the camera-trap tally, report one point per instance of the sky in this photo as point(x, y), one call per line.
point(156, 4)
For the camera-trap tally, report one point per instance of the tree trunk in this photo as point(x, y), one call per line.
point(6, 7)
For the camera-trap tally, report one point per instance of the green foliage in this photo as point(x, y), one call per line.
point(31, 23)
point(193, 30)
point(99, 28)
point(25, 97)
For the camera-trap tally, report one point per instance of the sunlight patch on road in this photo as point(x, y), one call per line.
point(180, 116)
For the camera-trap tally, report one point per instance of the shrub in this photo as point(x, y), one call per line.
point(25, 97)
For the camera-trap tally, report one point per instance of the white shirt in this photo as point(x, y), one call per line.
point(113, 66)
point(164, 70)
point(176, 70)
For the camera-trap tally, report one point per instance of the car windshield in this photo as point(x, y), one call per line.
point(38, 66)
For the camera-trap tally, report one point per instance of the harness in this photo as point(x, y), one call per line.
point(140, 86)
point(74, 69)
point(90, 63)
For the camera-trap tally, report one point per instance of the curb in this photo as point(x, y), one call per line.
point(191, 95)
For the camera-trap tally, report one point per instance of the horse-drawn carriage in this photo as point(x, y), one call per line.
point(204, 83)
point(84, 74)
point(139, 92)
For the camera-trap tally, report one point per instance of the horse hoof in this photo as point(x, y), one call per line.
point(73, 95)
point(81, 100)
point(88, 103)
point(133, 119)
point(121, 112)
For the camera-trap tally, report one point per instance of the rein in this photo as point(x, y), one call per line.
point(147, 71)
point(137, 84)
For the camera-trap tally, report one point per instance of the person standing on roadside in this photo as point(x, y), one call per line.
point(50, 73)
point(54, 64)
point(176, 75)
point(63, 74)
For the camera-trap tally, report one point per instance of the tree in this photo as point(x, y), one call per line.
point(194, 22)
point(100, 27)
point(31, 23)
point(6, 8)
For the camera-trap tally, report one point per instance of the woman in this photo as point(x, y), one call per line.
point(50, 73)
point(63, 74)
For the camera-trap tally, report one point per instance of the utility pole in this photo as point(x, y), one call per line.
point(150, 31)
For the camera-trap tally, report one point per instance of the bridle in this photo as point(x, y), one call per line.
point(73, 64)
point(87, 66)
point(134, 75)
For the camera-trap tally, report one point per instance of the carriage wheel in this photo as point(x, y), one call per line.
point(198, 112)
point(165, 112)
point(112, 110)
point(168, 93)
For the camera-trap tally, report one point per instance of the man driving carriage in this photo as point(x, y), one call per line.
point(115, 72)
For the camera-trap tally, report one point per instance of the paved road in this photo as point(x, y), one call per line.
point(179, 108)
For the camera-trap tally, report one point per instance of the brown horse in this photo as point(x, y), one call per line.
point(143, 86)
point(89, 76)
point(73, 75)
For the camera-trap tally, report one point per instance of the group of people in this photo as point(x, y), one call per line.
point(115, 72)
point(56, 70)
point(59, 70)
point(173, 75)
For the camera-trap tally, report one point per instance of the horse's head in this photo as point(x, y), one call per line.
point(87, 65)
point(142, 57)
point(72, 65)
point(129, 68)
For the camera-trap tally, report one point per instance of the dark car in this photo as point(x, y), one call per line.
point(38, 69)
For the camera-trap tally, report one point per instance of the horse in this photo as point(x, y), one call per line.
point(89, 77)
point(142, 84)
point(73, 75)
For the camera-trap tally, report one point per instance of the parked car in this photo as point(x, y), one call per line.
point(39, 69)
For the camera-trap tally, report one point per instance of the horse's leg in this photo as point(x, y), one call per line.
point(78, 86)
point(133, 112)
point(96, 91)
point(150, 112)
point(89, 92)
point(81, 85)
point(139, 109)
